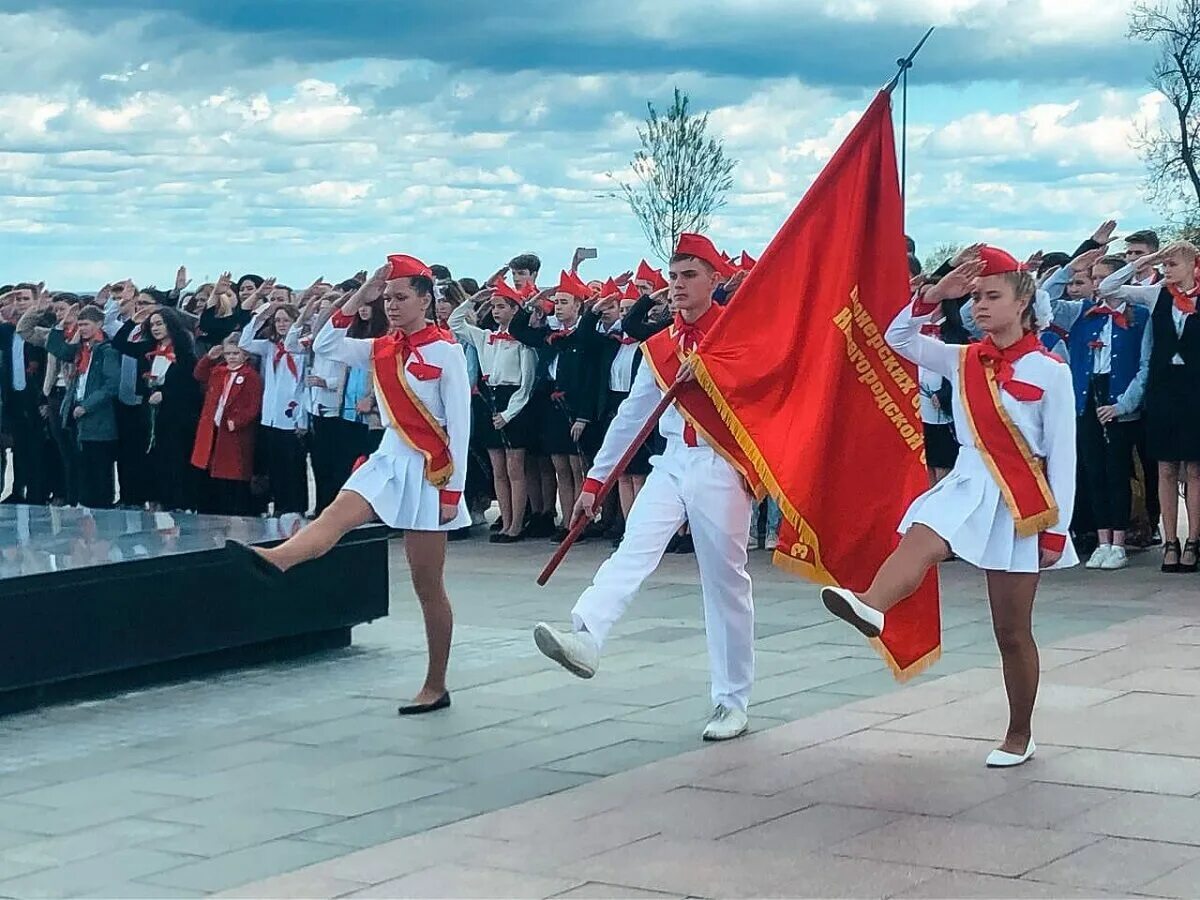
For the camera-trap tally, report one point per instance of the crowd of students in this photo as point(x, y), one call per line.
point(217, 400)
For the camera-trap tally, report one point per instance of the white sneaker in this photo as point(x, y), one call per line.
point(1002, 759)
point(1099, 556)
point(772, 542)
point(726, 723)
point(1117, 559)
point(843, 604)
point(575, 651)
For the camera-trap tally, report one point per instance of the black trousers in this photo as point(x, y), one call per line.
point(133, 436)
point(286, 470)
point(228, 497)
point(30, 450)
point(63, 439)
point(95, 467)
point(336, 445)
point(1106, 456)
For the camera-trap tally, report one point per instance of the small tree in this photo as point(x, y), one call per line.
point(680, 176)
point(1169, 147)
point(938, 255)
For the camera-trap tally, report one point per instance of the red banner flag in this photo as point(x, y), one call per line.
point(827, 414)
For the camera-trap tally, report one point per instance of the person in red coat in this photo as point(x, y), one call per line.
point(224, 445)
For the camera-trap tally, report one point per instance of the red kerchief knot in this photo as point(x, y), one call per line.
point(1001, 362)
point(1103, 309)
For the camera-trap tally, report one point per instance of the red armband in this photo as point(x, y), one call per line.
point(591, 486)
point(341, 320)
point(1055, 543)
point(449, 498)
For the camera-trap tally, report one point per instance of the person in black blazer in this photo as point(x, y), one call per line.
point(22, 369)
point(172, 403)
point(569, 358)
point(89, 406)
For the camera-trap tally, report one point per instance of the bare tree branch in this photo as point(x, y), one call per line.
point(1168, 148)
point(680, 176)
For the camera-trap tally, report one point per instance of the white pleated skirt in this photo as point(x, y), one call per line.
point(393, 481)
point(967, 510)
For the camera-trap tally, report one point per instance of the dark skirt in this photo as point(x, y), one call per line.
point(513, 436)
point(1173, 416)
point(941, 446)
point(554, 436)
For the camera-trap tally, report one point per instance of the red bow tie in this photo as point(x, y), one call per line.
point(1119, 318)
point(1001, 362)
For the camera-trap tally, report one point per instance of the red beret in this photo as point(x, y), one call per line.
point(699, 246)
point(407, 266)
point(998, 262)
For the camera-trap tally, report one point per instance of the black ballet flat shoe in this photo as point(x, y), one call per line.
point(419, 709)
point(497, 526)
point(246, 557)
point(501, 538)
point(1192, 547)
point(1168, 548)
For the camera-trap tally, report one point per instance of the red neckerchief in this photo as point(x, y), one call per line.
point(1185, 302)
point(84, 358)
point(406, 346)
point(931, 330)
point(281, 353)
point(501, 337)
point(559, 335)
point(1103, 309)
point(689, 335)
point(1001, 362)
point(624, 339)
point(164, 349)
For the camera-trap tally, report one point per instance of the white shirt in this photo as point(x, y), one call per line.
point(620, 373)
point(504, 362)
point(283, 392)
point(326, 402)
point(231, 377)
point(18, 362)
point(1145, 295)
point(81, 382)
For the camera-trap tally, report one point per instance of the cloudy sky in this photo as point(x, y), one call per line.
point(310, 137)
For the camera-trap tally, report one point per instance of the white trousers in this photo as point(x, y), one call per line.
point(697, 486)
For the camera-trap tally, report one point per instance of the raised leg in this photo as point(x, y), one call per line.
point(346, 512)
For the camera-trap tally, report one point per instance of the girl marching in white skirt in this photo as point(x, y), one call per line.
point(414, 481)
point(1006, 505)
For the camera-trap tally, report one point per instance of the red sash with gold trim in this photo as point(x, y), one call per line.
point(983, 373)
point(664, 356)
point(409, 416)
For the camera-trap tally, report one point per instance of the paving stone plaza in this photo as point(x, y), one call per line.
point(298, 780)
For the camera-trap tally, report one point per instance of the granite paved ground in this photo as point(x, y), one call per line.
point(197, 787)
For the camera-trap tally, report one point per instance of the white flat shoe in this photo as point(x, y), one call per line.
point(843, 604)
point(1002, 759)
point(726, 724)
point(1099, 557)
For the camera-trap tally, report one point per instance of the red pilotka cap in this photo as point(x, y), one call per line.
point(631, 292)
point(569, 284)
point(998, 262)
point(407, 266)
point(699, 246)
point(502, 289)
point(653, 276)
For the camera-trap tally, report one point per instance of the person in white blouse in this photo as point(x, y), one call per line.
point(1172, 401)
point(283, 409)
point(509, 369)
point(414, 481)
point(1006, 506)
